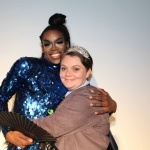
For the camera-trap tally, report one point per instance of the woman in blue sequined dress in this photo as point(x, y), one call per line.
point(37, 85)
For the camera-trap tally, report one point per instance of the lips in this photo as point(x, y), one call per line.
point(69, 80)
point(57, 55)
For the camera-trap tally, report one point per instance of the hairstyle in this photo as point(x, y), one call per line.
point(87, 62)
point(57, 22)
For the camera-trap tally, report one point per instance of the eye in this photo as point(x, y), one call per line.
point(62, 68)
point(76, 69)
point(59, 41)
point(46, 43)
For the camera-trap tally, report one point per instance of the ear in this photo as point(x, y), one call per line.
point(88, 73)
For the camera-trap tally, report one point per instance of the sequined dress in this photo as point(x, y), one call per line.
point(38, 88)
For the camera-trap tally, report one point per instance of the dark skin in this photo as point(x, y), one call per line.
point(106, 102)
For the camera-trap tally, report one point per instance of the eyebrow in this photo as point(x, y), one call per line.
point(55, 40)
point(72, 66)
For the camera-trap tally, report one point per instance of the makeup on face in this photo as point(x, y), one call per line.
point(47, 43)
point(53, 46)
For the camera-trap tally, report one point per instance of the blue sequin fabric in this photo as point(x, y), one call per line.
point(37, 86)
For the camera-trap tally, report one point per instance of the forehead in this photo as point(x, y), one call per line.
point(71, 59)
point(53, 35)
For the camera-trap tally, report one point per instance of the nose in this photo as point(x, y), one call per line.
point(68, 73)
point(54, 47)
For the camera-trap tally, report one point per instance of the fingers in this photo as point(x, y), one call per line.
point(25, 138)
point(103, 111)
point(96, 92)
point(104, 101)
point(103, 91)
point(99, 91)
point(100, 104)
point(99, 98)
point(18, 139)
point(96, 95)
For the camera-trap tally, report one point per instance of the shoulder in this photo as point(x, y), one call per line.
point(84, 90)
point(24, 65)
point(25, 62)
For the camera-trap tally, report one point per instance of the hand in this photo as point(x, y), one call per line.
point(107, 103)
point(18, 139)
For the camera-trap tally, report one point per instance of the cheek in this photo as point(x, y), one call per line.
point(61, 74)
point(44, 50)
point(62, 77)
point(79, 75)
point(64, 47)
point(82, 76)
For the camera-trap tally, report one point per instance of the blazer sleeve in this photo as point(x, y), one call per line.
point(74, 112)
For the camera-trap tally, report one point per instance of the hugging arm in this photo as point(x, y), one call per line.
point(72, 114)
point(107, 103)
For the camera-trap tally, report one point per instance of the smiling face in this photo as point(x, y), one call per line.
point(54, 45)
point(72, 72)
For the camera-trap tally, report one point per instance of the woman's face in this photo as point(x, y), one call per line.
point(54, 45)
point(72, 72)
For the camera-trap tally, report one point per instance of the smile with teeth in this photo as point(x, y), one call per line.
point(57, 55)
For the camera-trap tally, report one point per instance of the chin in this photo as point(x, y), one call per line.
point(67, 86)
point(56, 62)
point(70, 88)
